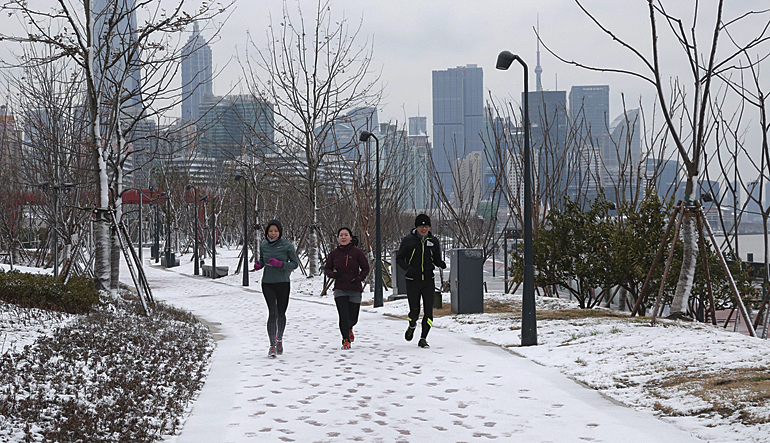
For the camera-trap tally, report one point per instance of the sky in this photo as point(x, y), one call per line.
point(413, 38)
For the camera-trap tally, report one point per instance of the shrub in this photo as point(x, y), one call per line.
point(47, 292)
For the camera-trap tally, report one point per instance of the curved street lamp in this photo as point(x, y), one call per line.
point(365, 136)
point(528, 316)
point(245, 231)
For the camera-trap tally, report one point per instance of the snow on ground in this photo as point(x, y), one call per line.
point(690, 374)
point(20, 327)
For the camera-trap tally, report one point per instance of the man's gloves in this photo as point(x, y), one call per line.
point(274, 262)
point(442, 265)
point(354, 280)
point(412, 272)
point(337, 275)
point(257, 266)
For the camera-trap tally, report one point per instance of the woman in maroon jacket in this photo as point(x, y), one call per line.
point(348, 265)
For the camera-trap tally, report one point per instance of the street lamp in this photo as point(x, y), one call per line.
point(167, 249)
point(157, 229)
point(365, 135)
point(195, 252)
point(56, 188)
point(245, 232)
point(528, 316)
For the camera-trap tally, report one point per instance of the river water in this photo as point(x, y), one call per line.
point(747, 244)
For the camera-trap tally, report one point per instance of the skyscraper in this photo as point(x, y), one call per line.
point(115, 29)
point(418, 125)
point(458, 117)
point(589, 109)
point(196, 74)
point(548, 134)
point(235, 125)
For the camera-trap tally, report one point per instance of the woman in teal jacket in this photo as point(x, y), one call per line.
point(278, 258)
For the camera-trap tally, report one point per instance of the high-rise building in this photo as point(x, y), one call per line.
point(624, 150)
point(458, 117)
point(589, 109)
point(196, 74)
point(116, 30)
point(418, 125)
point(235, 125)
point(548, 135)
point(10, 143)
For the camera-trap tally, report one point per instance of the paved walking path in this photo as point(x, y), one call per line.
point(384, 389)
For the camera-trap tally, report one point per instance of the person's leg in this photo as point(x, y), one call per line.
point(268, 290)
point(344, 315)
point(282, 296)
point(427, 291)
point(413, 296)
point(353, 309)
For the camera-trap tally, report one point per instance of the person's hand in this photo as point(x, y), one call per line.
point(257, 266)
point(275, 262)
point(336, 274)
point(412, 272)
point(442, 265)
point(354, 280)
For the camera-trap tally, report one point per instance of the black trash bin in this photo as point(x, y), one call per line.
point(467, 280)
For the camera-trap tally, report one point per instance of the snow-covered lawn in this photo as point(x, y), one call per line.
point(712, 382)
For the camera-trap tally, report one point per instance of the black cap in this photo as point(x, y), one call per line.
point(422, 220)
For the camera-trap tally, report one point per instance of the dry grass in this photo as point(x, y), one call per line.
point(736, 392)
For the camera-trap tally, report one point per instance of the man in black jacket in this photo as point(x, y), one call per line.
point(419, 253)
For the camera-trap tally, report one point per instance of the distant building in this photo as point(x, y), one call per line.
point(235, 125)
point(589, 109)
point(662, 176)
point(468, 173)
point(623, 152)
point(196, 75)
point(10, 143)
point(116, 29)
point(548, 135)
point(418, 125)
point(458, 117)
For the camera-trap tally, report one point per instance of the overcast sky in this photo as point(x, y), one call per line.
point(414, 37)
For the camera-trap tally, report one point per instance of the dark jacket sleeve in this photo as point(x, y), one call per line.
point(329, 266)
point(363, 263)
point(437, 260)
point(403, 251)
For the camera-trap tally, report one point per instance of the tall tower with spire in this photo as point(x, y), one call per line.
point(196, 74)
point(538, 69)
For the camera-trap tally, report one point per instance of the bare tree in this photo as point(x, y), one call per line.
point(312, 71)
point(109, 47)
point(686, 111)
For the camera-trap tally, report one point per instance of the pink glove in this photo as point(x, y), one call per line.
point(257, 266)
point(275, 262)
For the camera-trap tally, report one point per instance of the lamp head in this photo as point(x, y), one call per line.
point(238, 177)
point(188, 187)
point(707, 197)
point(504, 60)
point(365, 136)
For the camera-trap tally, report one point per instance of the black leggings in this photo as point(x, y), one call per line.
point(425, 290)
point(277, 298)
point(348, 313)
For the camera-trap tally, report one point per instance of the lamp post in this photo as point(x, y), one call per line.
point(245, 232)
point(528, 316)
point(56, 188)
point(213, 238)
point(365, 135)
point(195, 252)
point(157, 232)
point(167, 248)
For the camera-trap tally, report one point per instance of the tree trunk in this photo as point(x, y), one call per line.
point(689, 238)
